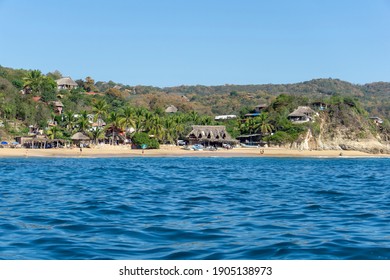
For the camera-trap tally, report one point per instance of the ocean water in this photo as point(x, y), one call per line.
point(194, 208)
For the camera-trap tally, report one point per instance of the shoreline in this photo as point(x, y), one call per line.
point(174, 151)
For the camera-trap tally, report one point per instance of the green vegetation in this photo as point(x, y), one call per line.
point(115, 112)
point(142, 139)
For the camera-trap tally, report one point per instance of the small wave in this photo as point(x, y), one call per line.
point(181, 255)
point(364, 216)
point(200, 198)
point(313, 207)
point(329, 192)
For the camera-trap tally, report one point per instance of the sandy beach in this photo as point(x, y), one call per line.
point(174, 151)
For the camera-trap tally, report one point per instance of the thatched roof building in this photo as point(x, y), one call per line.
point(302, 114)
point(260, 108)
point(80, 137)
point(39, 142)
point(171, 109)
point(58, 106)
point(210, 135)
point(66, 83)
point(251, 139)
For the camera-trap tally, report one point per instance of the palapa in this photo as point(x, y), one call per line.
point(58, 104)
point(210, 134)
point(303, 111)
point(171, 109)
point(67, 81)
point(80, 137)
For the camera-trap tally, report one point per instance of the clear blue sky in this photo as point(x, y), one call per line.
point(209, 42)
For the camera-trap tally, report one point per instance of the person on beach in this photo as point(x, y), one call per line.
point(81, 148)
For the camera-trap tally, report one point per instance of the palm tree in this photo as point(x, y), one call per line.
point(39, 85)
point(53, 132)
point(70, 121)
point(128, 118)
point(100, 108)
point(115, 124)
point(139, 123)
point(205, 120)
point(169, 131)
point(155, 127)
point(248, 127)
point(179, 127)
point(140, 111)
point(33, 81)
point(262, 123)
point(83, 122)
point(96, 134)
point(193, 116)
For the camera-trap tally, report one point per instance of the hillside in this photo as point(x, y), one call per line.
point(230, 99)
point(28, 98)
point(345, 126)
point(313, 87)
point(375, 97)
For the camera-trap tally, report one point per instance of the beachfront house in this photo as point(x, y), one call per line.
point(251, 139)
point(302, 114)
point(210, 135)
point(66, 83)
point(39, 142)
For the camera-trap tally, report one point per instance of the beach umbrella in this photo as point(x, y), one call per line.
point(4, 143)
point(80, 136)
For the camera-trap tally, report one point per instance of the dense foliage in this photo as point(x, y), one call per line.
point(143, 141)
point(27, 98)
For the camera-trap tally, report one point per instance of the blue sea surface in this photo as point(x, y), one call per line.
point(194, 208)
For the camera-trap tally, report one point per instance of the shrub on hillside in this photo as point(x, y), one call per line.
point(279, 138)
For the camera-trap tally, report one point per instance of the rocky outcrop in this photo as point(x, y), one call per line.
point(343, 130)
point(310, 142)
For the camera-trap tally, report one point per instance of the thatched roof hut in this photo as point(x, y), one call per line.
point(303, 111)
point(210, 135)
point(302, 114)
point(260, 107)
point(171, 109)
point(39, 142)
point(80, 137)
point(58, 106)
point(66, 83)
